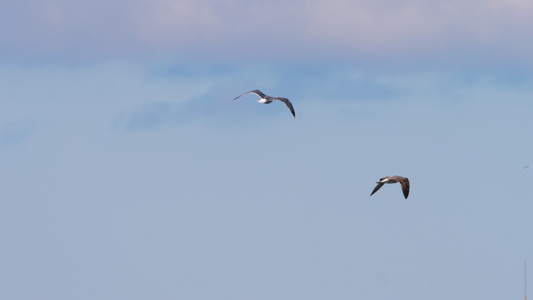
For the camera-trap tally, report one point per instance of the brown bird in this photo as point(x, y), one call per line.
point(394, 179)
point(266, 99)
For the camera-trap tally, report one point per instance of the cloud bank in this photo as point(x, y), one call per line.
point(236, 30)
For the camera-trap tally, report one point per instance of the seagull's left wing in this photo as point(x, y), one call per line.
point(380, 184)
point(257, 92)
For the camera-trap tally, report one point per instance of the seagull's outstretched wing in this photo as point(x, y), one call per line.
point(380, 184)
point(405, 186)
point(287, 102)
point(257, 92)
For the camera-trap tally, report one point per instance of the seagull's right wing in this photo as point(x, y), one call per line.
point(288, 103)
point(405, 187)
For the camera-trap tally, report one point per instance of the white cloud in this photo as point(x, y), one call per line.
point(182, 20)
point(422, 27)
point(258, 30)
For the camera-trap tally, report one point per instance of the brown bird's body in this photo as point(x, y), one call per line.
point(266, 99)
point(404, 182)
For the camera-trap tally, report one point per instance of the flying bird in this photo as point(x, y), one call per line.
point(393, 179)
point(527, 166)
point(266, 99)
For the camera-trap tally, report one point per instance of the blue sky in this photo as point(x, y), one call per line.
point(129, 173)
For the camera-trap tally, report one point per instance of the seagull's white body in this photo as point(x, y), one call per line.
point(266, 99)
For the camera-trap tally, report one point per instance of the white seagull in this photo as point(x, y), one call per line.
point(266, 99)
point(393, 179)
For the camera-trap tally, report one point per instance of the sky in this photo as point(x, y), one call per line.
point(129, 173)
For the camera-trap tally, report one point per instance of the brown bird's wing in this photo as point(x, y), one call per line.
point(405, 186)
point(257, 92)
point(380, 184)
point(287, 102)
